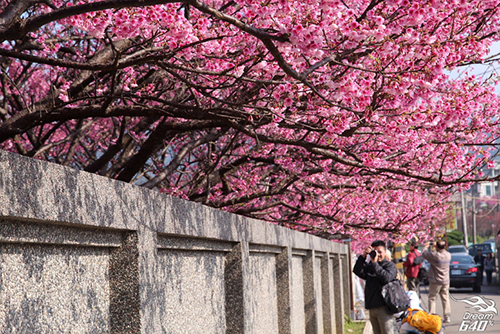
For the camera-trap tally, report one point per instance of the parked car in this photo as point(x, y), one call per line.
point(484, 247)
point(457, 249)
point(492, 244)
point(463, 272)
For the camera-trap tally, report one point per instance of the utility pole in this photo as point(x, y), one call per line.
point(464, 219)
point(474, 239)
point(474, 192)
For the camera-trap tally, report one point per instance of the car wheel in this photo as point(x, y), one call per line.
point(476, 288)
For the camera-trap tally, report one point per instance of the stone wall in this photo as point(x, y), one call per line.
point(82, 253)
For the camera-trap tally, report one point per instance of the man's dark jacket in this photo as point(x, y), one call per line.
point(376, 274)
point(479, 260)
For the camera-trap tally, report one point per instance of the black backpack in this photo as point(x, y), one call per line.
point(395, 296)
point(422, 274)
point(418, 260)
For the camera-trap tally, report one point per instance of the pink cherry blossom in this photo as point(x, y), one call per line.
point(326, 116)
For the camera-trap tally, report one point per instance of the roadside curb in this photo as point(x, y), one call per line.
point(368, 328)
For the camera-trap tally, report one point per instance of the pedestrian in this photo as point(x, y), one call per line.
point(479, 259)
point(489, 267)
point(377, 270)
point(439, 277)
point(412, 281)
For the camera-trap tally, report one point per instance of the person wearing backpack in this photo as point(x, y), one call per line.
point(412, 269)
point(377, 271)
point(439, 277)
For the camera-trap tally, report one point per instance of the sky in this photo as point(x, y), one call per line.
point(486, 70)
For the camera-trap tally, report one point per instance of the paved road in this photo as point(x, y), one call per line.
point(464, 318)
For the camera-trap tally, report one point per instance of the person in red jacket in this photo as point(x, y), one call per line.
point(412, 269)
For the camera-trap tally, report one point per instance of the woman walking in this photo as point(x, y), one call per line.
point(489, 267)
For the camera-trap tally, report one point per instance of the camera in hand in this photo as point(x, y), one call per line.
point(373, 254)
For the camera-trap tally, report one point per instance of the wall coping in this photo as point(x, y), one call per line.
point(35, 190)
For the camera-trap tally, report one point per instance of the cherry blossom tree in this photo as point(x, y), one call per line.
point(327, 116)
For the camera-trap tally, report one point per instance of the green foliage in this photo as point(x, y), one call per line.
point(455, 238)
point(479, 239)
point(353, 327)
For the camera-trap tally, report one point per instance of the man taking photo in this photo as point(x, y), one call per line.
point(377, 271)
point(439, 277)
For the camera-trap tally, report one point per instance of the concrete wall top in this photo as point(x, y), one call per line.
point(40, 191)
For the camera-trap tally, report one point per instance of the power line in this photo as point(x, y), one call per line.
point(483, 198)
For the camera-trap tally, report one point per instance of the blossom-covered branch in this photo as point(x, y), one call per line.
point(332, 117)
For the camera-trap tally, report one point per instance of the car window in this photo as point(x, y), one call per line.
point(481, 247)
point(458, 249)
point(462, 259)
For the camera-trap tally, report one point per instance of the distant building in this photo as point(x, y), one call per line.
point(487, 189)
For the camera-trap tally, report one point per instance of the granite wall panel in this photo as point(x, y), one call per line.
point(80, 253)
point(297, 304)
point(192, 291)
point(261, 300)
point(318, 292)
point(346, 282)
point(338, 291)
point(327, 295)
point(284, 290)
point(53, 289)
